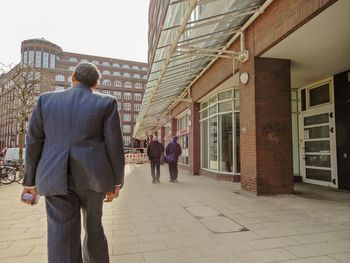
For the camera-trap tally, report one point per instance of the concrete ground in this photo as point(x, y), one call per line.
point(197, 220)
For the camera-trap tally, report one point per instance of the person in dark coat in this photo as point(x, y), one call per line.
point(173, 151)
point(154, 152)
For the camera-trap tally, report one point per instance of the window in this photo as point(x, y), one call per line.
point(116, 73)
point(138, 85)
point(84, 60)
point(137, 107)
point(71, 68)
point(137, 76)
point(25, 57)
point(127, 140)
point(72, 60)
point(119, 106)
point(116, 65)
point(52, 61)
point(127, 106)
point(144, 68)
point(69, 79)
point(126, 66)
point(126, 128)
point(220, 132)
point(127, 117)
point(106, 82)
point(59, 77)
point(137, 96)
point(58, 88)
point(118, 94)
point(38, 59)
point(144, 77)
point(127, 85)
point(106, 92)
point(106, 72)
point(126, 74)
point(127, 95)
point(31, 58)
point(95, 62)
point(45, 60)
point(135, 67)
point(117, 83)
point(106, 64)
point(135, 117)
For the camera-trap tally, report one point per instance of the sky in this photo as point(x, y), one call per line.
point(109, 28)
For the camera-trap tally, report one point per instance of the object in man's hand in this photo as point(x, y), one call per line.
point(29, 197)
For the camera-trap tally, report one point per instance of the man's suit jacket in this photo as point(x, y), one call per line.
point(74, 133)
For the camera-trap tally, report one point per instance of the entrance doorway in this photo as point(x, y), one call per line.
point(317, 141)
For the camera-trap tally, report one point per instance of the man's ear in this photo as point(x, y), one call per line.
point(73, 77)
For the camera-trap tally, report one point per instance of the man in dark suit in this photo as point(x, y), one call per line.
point(154, 152)
point(75, 158)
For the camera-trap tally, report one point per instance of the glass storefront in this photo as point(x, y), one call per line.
point(220, 132)
point(182, 133)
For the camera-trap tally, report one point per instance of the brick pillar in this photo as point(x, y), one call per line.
point(162, 134)
point(173, 126)
point(194, 139)
point(266, 133)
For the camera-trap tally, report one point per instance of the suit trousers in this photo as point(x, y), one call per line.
point(155, 165)
point(173, 171)
point(64, 228)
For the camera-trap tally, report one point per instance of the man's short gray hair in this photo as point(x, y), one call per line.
point(87, 74)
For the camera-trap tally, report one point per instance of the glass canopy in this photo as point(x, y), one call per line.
point(188, 25)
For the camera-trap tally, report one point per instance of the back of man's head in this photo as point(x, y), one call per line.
point(155, 138)
point(87, 74)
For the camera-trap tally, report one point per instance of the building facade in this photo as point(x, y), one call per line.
point(123, 79)
point(258, 90)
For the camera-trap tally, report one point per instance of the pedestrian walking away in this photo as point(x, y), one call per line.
point(173, 151)
point(75, 158)
point(154, 152)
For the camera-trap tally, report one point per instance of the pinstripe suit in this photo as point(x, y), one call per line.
point(74, 155)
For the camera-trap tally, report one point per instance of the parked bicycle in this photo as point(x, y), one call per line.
point(7, 174)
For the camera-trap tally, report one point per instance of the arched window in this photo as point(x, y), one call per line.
point(106, 82)
point(116, 73)
point(84, 60)
point(138, 85)
point(135, 67)
point(70, 79)
point(106, 72)
point(106, 64)
point(116, 65)
point(144, 68)
point(59, 77)
point(127, 85)
point(126, 74)
point(72, 60)
point(144, 77)
point(126, 66)
point(95, 62)
point(117, 83)
point(137, 76)
point(71, 68)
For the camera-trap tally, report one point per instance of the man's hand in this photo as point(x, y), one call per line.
point(31, 191)
point(111, 195)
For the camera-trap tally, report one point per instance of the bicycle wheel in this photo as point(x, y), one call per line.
point(9, 176)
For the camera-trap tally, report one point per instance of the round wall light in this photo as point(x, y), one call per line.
point(244, 77)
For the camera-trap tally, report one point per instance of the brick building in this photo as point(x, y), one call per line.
point(258, 91)
point(123, 79)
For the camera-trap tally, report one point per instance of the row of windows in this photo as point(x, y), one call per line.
point(127, 106)
point(106, 82)
point(107, 64)
point(127, 117)
point(127, 140)
point(116, 73)
point(126, 95)
point(40, 59)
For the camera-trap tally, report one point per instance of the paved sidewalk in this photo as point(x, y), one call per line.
point(198, 220)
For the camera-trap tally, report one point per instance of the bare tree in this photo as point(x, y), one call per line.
point(22, 85)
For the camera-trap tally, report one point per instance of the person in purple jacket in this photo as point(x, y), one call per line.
point(154, 152)
point(173, 151)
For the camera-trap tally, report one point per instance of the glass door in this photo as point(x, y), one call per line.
point(317, 146)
